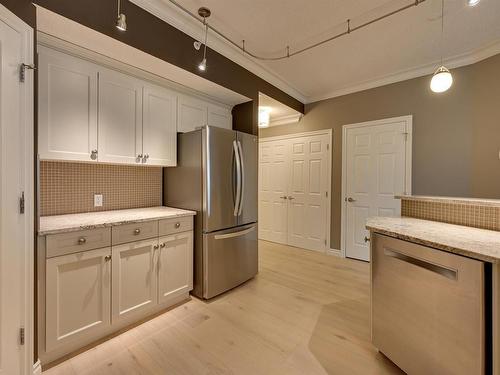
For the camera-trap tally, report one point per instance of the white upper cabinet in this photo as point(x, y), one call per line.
point(67, 107)
point(192, 114)
point(120, 118)
point(220, 116)
point(159, 131)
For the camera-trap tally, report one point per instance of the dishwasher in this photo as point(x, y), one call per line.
point(427, 308)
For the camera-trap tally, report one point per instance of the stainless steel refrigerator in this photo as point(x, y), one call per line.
point(216, 176)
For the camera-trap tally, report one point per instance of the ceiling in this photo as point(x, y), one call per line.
point(403, 46)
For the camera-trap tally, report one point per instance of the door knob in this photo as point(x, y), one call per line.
point(367, 239)
point(351, 199)
point(107, 258)
point(290, 197)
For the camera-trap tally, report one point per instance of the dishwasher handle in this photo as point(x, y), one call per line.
point(449, 273)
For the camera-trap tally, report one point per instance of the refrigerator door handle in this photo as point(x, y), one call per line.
point(238, 178)
point(242, 178)
point(235, 234)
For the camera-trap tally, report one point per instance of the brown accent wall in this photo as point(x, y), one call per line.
point(456, 135)
point(154, 36)
point(67, 188)
point(24, 9)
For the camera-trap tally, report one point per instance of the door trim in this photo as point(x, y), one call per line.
point(27, 117)
point(329, 133)
point(408, 164)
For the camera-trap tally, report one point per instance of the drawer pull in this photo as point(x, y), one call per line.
point(82, 240)
point(436, 268)
point(137, 231)
point(177, 225)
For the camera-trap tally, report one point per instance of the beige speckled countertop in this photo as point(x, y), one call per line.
point(91, 220)
point(456, 200)
point(474, 243)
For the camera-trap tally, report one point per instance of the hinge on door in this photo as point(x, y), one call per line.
point(21, 336)
point(326, 194)
point(21, 203)
point(22, 71)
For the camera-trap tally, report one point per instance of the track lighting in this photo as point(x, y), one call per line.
point(203, 65)
point(472, 3)
point(205, 13)
point(121, 20)
point(442, 79)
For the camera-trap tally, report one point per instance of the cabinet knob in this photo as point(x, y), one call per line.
point(290, 197)
point(163, 245)
point(140, 157)
point(284, 197)
point(93, 154)
point(137, 231)
point(107, 258)
point(350, 200)
point(156, 247)
point(177, 225)
point(82, 240)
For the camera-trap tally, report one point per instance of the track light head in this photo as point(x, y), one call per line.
point(121, 22)
point(203, 65)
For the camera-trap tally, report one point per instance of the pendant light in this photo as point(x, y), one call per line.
point(121, 20)
point(442, 79)
point(205, 13)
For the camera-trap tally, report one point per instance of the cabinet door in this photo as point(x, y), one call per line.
point(134, 278)
point(77, 296)
point(219, 116)
point(175, 266)
point(67, 107)
point(159, 137)
point(191, 113)
point(119, 118)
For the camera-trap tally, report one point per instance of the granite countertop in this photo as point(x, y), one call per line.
point(481, 244)
point(474, 201)
point(91, 220)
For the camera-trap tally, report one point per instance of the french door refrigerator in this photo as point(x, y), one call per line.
point(216, 176)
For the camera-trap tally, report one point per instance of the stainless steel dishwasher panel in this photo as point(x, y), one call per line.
point(428, 313)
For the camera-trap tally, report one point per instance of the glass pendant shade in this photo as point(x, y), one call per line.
point(441, 80)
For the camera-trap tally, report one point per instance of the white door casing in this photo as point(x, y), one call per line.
point(67, 106)
point(308, 192)
point(119, 118)
point(376, 166)
point(273, 190)
point(16, 177)
point(159, 132)
point(294, 189)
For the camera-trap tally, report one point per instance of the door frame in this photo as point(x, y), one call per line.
point(27, 119)
point(408, 164)
point(329, 133)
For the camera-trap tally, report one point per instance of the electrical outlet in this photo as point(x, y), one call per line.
point(98, 200)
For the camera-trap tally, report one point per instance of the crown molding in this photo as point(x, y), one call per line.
point(167, 12)
point(286, 120)
point(457, 61)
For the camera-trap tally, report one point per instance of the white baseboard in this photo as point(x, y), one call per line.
point(37, 368)
point(334, 252)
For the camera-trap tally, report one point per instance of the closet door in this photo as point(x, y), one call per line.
point(67, 107)
point(120, 118)
point(273, 190)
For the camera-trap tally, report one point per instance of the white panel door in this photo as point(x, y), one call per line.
point(67, 107)
point(308, 189)
point(134, 278)
point(119, 118)
point(175, 266)
point(192, 113)
point(159, 134)
point(219, 116)
point(78, 295)
point(273, 190)
point(16, 171)
point(375, 159)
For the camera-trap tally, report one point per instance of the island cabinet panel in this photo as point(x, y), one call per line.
point(428, 308)
point(175, 266)
point(78, 297)
point(134, 278)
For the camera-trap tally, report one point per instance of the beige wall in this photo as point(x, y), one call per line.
point(456, 135)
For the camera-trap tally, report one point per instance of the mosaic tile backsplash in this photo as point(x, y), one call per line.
point(67, 188)
point(467, 214)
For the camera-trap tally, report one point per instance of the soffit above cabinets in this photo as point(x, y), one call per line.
point(403, 46)
point(58, 32)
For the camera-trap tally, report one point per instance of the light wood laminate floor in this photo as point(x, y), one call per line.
point(305, 313)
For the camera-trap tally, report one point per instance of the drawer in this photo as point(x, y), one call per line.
point(134, 232)
point(176, 225)
point(74, 242)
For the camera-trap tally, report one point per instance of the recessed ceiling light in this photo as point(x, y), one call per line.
point(472, 3)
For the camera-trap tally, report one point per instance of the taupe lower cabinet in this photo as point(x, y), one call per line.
point(86, 295)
